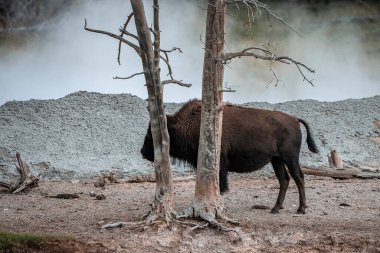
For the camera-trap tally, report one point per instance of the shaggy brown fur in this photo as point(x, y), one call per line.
point(251, 138)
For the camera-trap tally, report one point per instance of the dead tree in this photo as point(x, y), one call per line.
point(207, 204)
point(364, 172)
point(151, 54)
point(26, 180)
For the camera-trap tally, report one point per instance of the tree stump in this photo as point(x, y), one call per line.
point(26, 180)
point(334, 160)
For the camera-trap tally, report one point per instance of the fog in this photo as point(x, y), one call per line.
point(65, 58)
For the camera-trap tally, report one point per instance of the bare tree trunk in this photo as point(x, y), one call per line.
point(207, 203)
point(207, 197)
point(162, 206)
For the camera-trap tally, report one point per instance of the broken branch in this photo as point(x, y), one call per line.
point(227, 88)
point(327, 172)
point(114, 225)
point(345, 173)
point(180, 83)
point(129, 77)
point(171, 50)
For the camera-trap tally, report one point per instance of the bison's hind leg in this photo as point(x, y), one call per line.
point(297, 174)
point(283, 178)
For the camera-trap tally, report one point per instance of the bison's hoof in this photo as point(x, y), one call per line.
point(224, 192)
point(300, 211)
point(274, 210)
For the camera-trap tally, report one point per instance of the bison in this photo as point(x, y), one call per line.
point(251, 138)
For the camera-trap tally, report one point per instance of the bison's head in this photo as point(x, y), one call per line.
point(147, 149)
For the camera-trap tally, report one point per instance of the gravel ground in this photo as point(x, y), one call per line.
point(85, 133)
point(342, 216)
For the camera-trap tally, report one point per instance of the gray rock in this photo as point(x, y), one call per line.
point(85, 133)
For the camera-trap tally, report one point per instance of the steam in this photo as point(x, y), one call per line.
point(67, 59)
point(345, 66)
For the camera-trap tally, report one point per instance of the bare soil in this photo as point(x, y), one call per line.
point(342, 216)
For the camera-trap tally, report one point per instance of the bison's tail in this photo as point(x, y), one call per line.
point(309, 139)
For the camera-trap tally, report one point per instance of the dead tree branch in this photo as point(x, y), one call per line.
point(26, 180)
point(258, 7)
point(128, 33)
point(165, 58)
point(129, 77)
point(268, 56)
point(124, 31)
point(180, 83)
point(227, 88)
point(120, 38)
point(277, 81)
point(265, 53)
point(172, 50)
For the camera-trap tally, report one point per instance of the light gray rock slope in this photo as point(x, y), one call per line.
point(85, 133)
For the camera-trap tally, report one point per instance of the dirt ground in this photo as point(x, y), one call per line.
point(342, 216)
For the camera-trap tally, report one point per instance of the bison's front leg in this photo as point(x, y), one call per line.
point(223, 175)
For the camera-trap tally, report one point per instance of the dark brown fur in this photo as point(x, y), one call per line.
point(251, 138)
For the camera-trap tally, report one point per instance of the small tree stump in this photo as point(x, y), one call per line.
point(334, 160)
point(26, 180)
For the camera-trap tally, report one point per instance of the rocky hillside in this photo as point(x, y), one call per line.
point(85, 133)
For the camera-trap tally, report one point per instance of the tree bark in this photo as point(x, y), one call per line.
point(207, 203)
point(162, 205)
point(328, 172)
point(26, 180)
point(346, 173)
